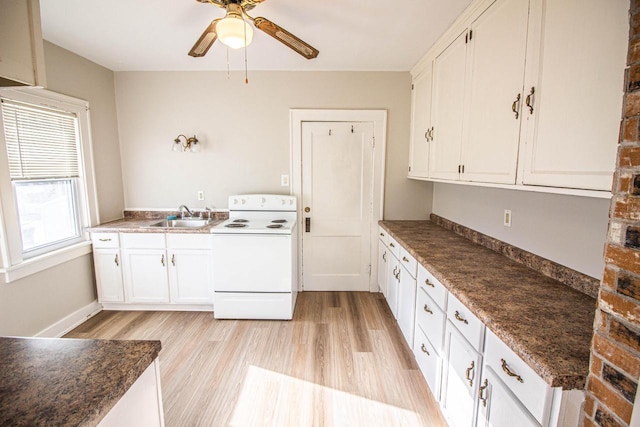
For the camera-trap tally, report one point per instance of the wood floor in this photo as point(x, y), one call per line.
point(342, 361)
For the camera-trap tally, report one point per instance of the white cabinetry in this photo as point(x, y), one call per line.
point(21, 47)
point(461, 377)
point(383, 261)
point(145, 268)
point(407, 295)
point(108, 267)
point(420, 124)
point(153, 271)
point(578, 81)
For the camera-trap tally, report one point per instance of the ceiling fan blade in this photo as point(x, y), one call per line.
point(205, 41)
point(286, 37)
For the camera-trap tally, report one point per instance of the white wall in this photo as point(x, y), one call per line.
point(569, 230)
point(32, 304)
point(245, 133)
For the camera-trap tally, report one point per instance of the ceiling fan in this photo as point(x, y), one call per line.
point(233, 30)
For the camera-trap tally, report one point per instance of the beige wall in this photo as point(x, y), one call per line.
point(569, 230)
point(29, 305)
point(72, 75)
point(245, 133)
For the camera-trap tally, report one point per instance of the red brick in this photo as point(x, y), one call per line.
point(614, 402)
point(630, 126)
point(620, 306)
point(635, 21)
point(629, 156)
point(625, 258)
point(628, 284)
point(601, 323)
point(634, 51)
point(609, 278)
point(589, 405)
point(632, 104)
point(595, 366)
point(616, 355)
point(604, 418)
point(624, 334)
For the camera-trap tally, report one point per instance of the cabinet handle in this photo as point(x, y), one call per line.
point(460, 318)
point(162, 260)
point(105, 240)
point(428, 283)
point(392, 245)
point(398, 275)
point(384, 257)
point(404, 258)
point(173, 259)
point(427, 309)
point(426, 135)
point(381, 234)
point(529, 98)
point(481, 391)
point(515, 106)
point(116, 261)
point(424, 349)
point(509, 372)
point(470, 373)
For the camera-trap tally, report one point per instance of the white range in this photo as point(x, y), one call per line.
point(255, 265)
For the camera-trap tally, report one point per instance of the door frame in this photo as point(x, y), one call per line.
point(379, 120)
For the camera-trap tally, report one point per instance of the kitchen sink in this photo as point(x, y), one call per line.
point(182, 223)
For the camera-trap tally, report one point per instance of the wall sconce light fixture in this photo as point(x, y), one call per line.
point(189, 144)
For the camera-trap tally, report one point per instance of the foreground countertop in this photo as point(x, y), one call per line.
point(548, 324)
point(67, 382)
point(143, 225)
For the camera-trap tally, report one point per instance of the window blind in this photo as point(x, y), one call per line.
point(41, 143)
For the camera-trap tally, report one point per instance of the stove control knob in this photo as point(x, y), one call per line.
point(262, 200)
point(235, 201)
point(243, 201)
point(283, 201)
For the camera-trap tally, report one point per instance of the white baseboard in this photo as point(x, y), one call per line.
point(66, 324)
point(121, 306)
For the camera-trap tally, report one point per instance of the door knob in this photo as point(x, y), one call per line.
point(307, 209)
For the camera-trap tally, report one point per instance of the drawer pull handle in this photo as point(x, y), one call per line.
point(392, 245)
point(427, 309)
point(116, 261)
point(460, 318)
point(404, 258)
point(428, 283)
point(509, 372)
point(105, 240)
point(528, 100)
point(470, 373)
point(162, 260)
point(173, 259)
point(516, 106)
point(481, 391)
point(424, 350)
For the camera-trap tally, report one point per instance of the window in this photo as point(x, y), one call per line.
point(47, 191)
point(42, 151)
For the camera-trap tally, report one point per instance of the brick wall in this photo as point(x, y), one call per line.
point(615, 351)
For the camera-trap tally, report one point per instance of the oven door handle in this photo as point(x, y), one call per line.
point(307, 225)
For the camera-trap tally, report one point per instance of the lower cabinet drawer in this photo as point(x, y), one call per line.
point(383, 236)
point(432, 287)
point(430, 319)
point(429, 362)
point(143, 240)
point(105, 240)
point(188, 241)
point(466, 322)
point(534, 393)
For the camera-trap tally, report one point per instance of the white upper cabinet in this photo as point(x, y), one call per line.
point(21, 47)
point(448, 103)
point(420, 124)
point(525, 93)
point(578, 79)
point(491, 126)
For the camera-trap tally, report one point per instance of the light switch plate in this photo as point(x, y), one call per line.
point(284, 180)
point(507, 218)
point(200, 195)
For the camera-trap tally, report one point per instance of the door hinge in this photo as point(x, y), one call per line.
point(409, 168)
point(412, 86)
point(369, 270)
point(373, 142)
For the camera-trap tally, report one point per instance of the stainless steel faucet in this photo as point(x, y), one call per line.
point(208, 212)
point(183, 208)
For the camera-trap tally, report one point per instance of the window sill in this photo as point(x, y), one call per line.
point(40, 263)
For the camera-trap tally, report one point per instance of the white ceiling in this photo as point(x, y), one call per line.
point(128, 35)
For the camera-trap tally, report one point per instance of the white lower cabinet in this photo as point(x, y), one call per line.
point(108, 266)
point(429, 361)
point(461, 377)
point(407, 295)
point(383, 265)
point(498, 406)
point(153, 271)
point(393, 284)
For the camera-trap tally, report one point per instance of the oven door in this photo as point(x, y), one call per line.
point(252, 263)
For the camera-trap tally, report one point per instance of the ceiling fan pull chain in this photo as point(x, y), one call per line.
point(228, 73)
point(246, 73)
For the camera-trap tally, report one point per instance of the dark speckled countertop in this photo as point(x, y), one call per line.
point(547, 323)
point(67, 382)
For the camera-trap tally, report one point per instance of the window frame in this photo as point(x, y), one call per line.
point(14, 264)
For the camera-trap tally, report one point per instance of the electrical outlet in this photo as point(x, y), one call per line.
point(507, 218)
point(284, 180)
point(200, 195)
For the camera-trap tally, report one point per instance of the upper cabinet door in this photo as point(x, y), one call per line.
point(497, 51)
point(447, 112)
point(578, 87)
point(420, 124)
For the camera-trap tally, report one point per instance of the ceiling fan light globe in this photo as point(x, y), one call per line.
point(231, 32)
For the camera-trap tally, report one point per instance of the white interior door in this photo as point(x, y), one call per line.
point(337, 187)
